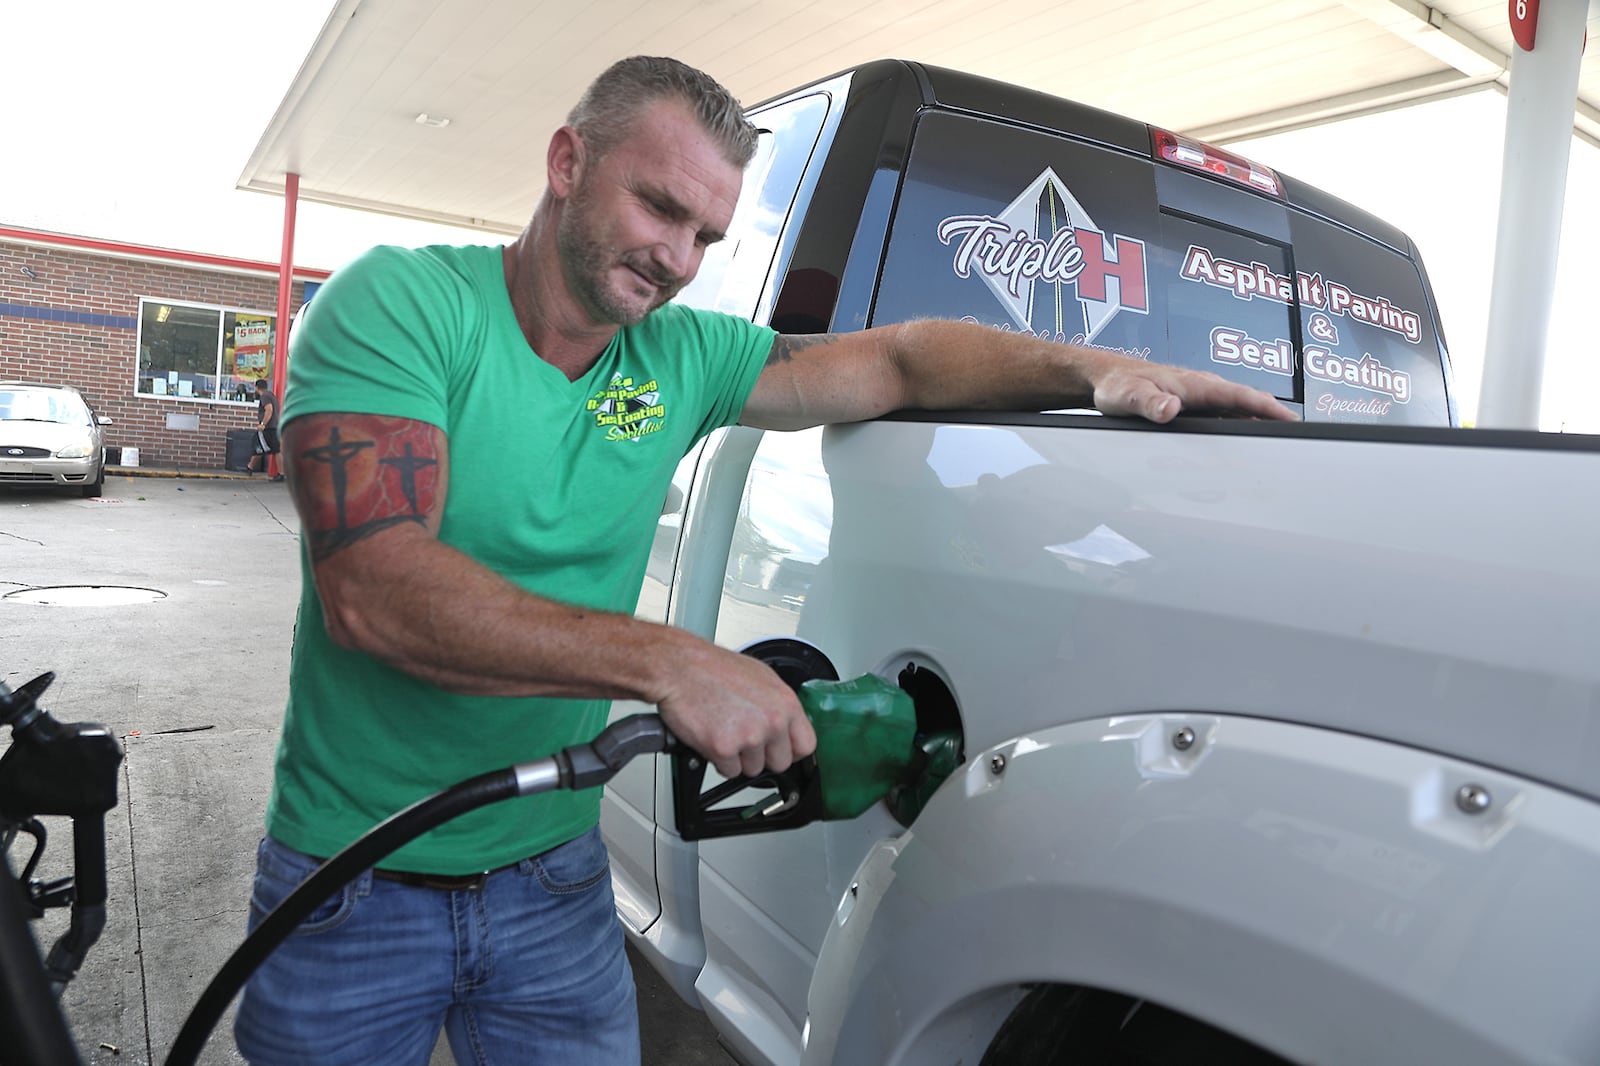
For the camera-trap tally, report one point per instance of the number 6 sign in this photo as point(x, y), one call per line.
point(1524, 22)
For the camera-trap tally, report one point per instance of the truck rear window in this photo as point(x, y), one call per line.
point(1026, 231)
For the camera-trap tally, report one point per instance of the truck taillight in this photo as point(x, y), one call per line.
point(1187, 152)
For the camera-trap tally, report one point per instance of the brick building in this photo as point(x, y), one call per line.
point(161, 341)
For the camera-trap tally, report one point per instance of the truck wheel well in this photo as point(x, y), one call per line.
point(1060, 1025)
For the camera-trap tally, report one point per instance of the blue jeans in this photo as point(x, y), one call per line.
point(528, 969)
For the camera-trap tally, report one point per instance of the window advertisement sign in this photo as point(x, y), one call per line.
point(1371, 353)
point(1027, 231)
point(1024, 232)
point(196, 352)
point(1230, 304)
point(246, 351)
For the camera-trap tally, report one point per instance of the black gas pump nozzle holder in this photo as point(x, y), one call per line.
point(67, 769)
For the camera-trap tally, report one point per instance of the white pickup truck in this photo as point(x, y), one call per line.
point(1281, 743)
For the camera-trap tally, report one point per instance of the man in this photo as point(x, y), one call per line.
point(266, 426)
point(474, 540)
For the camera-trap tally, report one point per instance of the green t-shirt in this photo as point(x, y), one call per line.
point(554, 484)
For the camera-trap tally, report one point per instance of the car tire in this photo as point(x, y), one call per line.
point(98, 485)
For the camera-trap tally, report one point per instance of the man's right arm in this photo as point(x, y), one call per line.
point(370, 491)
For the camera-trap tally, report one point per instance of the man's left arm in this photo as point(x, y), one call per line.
point(939, 365)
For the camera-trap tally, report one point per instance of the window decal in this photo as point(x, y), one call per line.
point(1044, 248)
point(1376, 310)
point(1233, 347)
point(1246, 281)
point(1367, 373)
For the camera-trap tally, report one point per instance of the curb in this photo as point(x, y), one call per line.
point(152, 471)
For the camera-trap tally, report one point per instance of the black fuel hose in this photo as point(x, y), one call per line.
point(31, 1026)
point(578, 767)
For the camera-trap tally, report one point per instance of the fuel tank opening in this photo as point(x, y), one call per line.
point(938, 748)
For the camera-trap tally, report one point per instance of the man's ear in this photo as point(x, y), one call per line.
point(565, 161)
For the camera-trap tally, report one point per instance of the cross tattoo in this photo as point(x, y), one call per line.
point(337, 453)
point(408, 465)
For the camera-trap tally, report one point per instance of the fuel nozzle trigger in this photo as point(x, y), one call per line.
point(790, 798)
point(866, 747)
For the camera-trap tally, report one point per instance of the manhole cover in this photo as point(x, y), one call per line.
point(86, 595)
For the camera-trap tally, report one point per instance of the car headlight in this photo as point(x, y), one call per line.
point(75, 451)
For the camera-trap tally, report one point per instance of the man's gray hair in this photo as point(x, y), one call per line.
point(605, 115)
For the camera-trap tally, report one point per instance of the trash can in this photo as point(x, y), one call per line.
point(241, 449)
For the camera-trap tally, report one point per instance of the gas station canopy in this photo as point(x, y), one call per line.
point(442, 111)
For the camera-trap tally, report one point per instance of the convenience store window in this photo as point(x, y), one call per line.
point(201, 352)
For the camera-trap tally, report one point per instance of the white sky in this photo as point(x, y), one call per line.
point(133, 121)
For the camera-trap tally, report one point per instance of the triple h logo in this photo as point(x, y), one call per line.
point(1043, 243)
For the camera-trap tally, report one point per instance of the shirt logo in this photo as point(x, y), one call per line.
point(1043, 253)
point(628, 411)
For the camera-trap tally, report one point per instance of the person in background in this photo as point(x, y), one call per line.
point(266, 426)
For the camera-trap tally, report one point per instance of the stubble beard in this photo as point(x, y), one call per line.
point(586, 261)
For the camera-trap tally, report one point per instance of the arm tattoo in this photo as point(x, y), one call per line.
point(367, 482)
point(785, 346)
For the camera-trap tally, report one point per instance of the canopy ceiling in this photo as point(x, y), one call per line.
point(360, 123)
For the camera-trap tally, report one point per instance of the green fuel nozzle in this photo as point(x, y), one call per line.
point(866, 735)
point(868, 749)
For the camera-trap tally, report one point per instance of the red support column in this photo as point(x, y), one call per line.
point(280, 352)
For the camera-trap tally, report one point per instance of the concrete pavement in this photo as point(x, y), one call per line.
point(193, 682)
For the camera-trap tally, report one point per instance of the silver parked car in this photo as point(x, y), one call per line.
point(49, 435)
